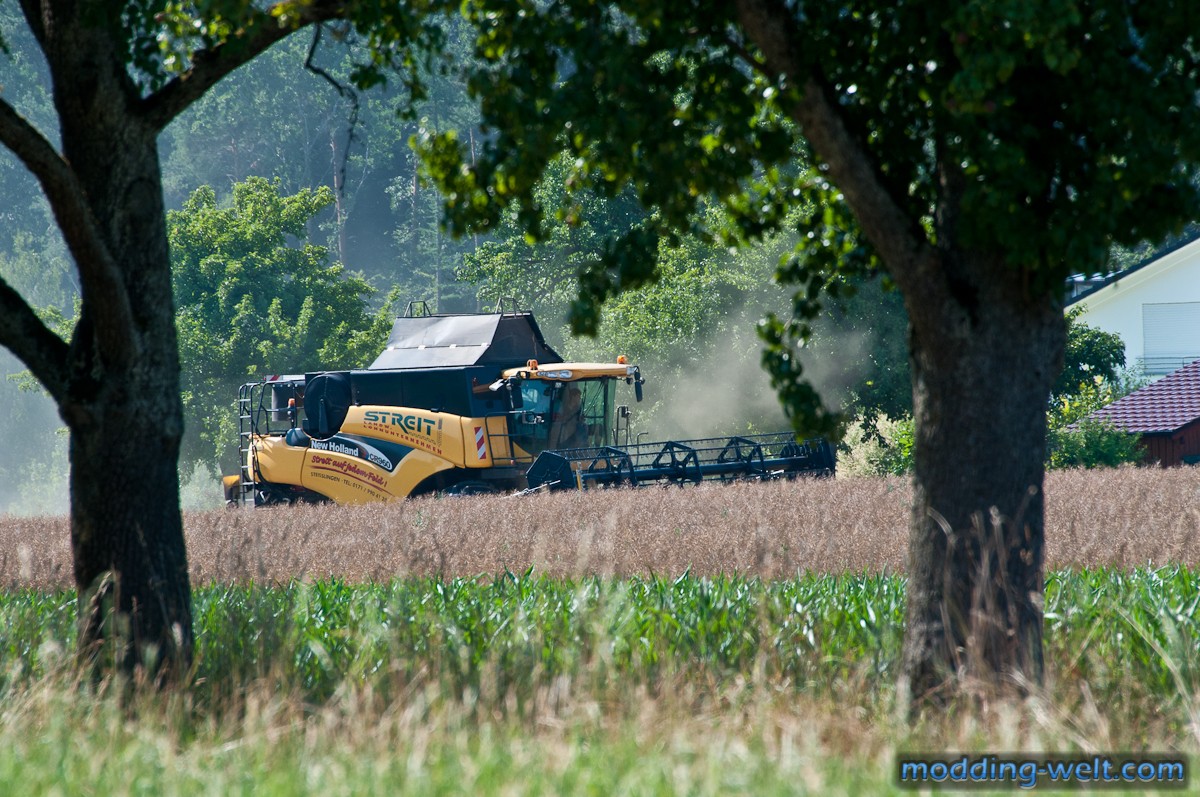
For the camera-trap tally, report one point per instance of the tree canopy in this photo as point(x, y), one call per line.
point(253, 298)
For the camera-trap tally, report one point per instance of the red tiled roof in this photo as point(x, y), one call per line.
point(1163, 406)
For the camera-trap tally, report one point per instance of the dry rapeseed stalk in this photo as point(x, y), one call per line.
point(1124, 518)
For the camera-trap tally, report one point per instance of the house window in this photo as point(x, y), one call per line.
point(1170, 335)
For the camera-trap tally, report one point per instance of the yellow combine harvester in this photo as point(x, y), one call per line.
point(470, 404)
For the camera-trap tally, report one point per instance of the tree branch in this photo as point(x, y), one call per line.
point(32, 342)
point(211, 65)
point(99, 276)
point(910, 260)
point(32, 9)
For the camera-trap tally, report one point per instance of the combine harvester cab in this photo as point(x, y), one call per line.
point(454, 403)
point(466, 404)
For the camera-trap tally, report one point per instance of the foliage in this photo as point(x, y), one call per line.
point(690, 325)
point(273, 119)
point(878, 446)
point(542, 272)
point(1047, 182)
point(1090, 354)
point(698, 279)
point(425, 256)
point(693, 320)
point(25, 214)
point(1093, 377)
point(253, 299)
point(859, 346)
point(38, 267)
point(1092, 443)
point(691, 128)
point(33, 473)
point(1079, 441)
point(1126, 257)
point(276, 118)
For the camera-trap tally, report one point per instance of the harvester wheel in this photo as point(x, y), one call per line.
point(269, 498)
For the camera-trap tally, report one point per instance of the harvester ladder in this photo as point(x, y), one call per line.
point(246, 427)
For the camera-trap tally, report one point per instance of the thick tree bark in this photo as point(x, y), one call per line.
point(126, 422)
point(126, 532)
point(982, 366)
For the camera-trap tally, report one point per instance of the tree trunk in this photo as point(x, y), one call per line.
point(986, 341)
point(338, 162)
point(122, 403)
point(126, 534)
point(126, 421)
point(982, 368)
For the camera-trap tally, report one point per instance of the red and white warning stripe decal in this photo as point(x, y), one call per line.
point(480, 446)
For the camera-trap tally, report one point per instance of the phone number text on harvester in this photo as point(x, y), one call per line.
point(1117, 771)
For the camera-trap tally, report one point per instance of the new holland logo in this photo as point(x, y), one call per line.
point(480, 444)
point(355, 449)
point(337, 447)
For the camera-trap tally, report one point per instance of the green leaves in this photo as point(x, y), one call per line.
point(1129, 635)
point(1039, 133)
point(1075, 440)
point(1090, 354)
point(1090, 380)
point(1092, 443)
point(253, 299)
point(683, 109)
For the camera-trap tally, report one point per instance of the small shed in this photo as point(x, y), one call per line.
point(1166, 414)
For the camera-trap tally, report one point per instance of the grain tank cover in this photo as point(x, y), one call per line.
point(450, 341)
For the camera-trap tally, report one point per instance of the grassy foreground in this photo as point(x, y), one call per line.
point(525, 684)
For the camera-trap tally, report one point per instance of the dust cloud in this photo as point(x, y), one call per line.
point(33, 470)
point(725, 391)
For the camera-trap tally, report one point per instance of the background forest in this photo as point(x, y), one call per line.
point(300, 225)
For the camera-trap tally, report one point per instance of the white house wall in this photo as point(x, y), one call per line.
point(1172, 285)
